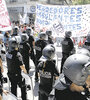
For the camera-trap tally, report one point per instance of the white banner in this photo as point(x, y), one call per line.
point(72, 18)
point(5, 23)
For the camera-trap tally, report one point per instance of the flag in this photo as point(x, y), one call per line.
point(5, 23)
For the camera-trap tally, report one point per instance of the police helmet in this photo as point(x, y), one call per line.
point(88, 36)
point(49, 52)
point(28, 31)
point(13, 44)
point(77, 68)
point(87, 42)
point(24, 38)
point(68, 34)
point(83, 51)
point(15, 30)
point(49, 33)
point(42, 35)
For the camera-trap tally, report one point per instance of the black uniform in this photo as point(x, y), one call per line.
point(24, 50)
point(67, 94)
point(14, 61)
point(47, 71)
point(32, 55)
point(63, 92)
point(39, 45)
point(67, 47)
point(50, 41)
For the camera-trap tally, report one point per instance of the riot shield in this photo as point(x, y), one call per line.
point(28, 81)
point(9, 96)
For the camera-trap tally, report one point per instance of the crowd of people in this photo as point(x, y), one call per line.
point(72, 82)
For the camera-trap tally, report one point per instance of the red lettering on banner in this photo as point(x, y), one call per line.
point(4, 20)
point(0, 1)
point(2, 8)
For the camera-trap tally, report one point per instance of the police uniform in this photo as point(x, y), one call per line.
point(63, 91)
point(14, 61)
point(67, 47)
point(73, 81)
point(50, 41)
point(39, 45)
point(24, 50)
point(31, 40)
point(67, 94)
point(47, 71)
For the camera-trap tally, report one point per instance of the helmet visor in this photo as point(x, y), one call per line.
point(14, 45)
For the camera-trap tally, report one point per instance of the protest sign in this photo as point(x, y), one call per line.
point(72, 18)
point(5, 23)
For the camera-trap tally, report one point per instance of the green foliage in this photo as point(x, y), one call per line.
point(81, 2)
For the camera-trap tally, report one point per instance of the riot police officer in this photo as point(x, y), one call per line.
point(25, 50)
point(67, 47)
point(39, 45)
point(87, 42)
point(73, 81)
point(15, 65)
point(47, 71)
point(49, 34)
point(15, 31)
point(31, 42)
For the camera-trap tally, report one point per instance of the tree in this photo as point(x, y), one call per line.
point(80, 2)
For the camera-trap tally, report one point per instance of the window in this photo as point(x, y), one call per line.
point(13, 0)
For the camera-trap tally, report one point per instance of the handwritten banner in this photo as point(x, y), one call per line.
point(5, 23)
point(73, 18)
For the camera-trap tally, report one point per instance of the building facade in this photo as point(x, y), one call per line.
point(21, 7)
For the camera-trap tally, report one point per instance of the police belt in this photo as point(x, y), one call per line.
point(14, 74)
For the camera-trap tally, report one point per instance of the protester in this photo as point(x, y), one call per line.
point(6, 39)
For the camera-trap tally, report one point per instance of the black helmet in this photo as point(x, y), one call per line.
point(13, 44)
point(68, 34)
point(87, 42)
point(24, 38)
point(77, 68)
point(42, 35)
point(28, 31)
point(15, 31)
point(88, 36)
point(48, 52)
point(49, 33)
